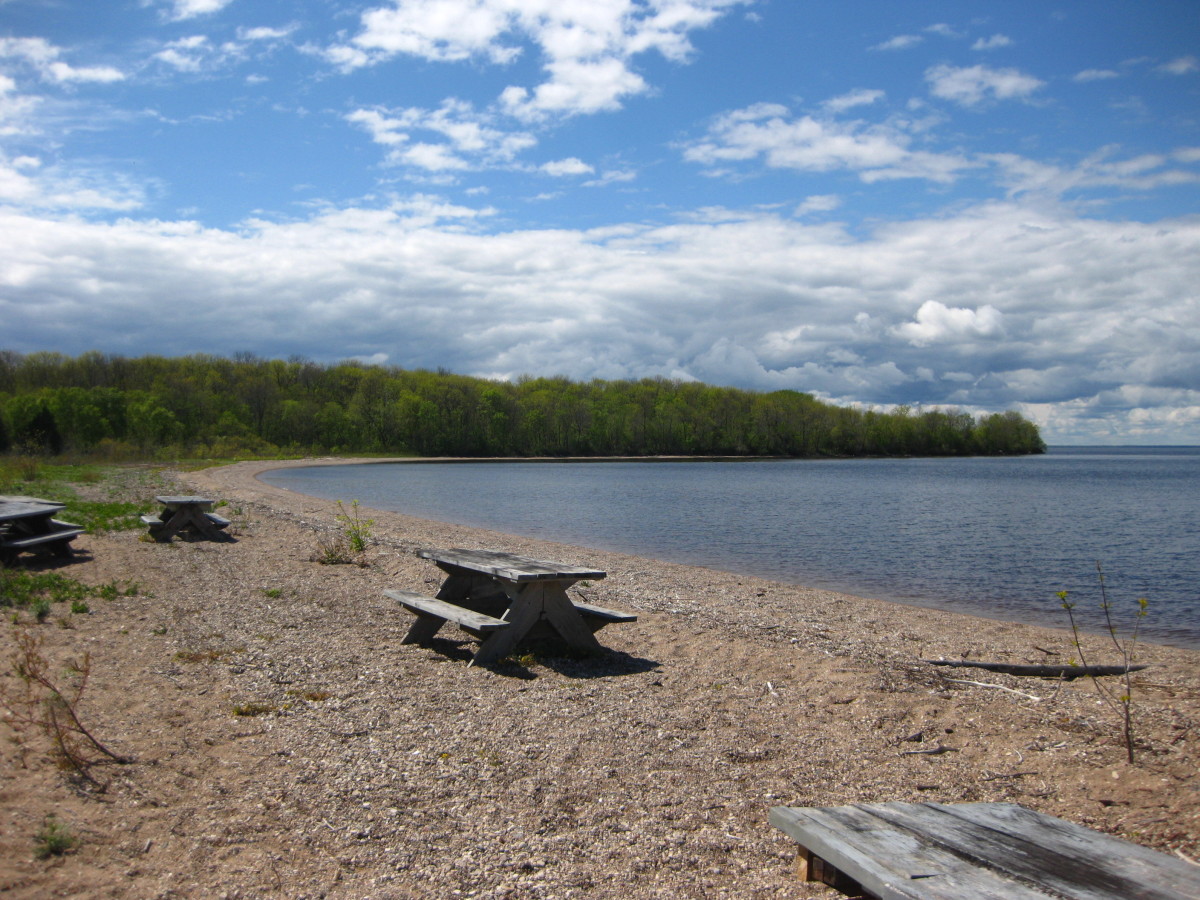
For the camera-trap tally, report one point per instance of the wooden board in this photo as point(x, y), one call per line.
point(972, 851)
point(441, 609)
point(509, 566)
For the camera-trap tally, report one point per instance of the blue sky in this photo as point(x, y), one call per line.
point(967, 204)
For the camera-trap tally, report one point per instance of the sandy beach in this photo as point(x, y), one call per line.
point(371, 769)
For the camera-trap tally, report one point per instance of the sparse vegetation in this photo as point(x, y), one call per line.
point(54, 839)
point(40, 702)
point(1120, 700)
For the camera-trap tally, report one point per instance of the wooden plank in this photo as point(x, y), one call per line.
point(1029, 847)
point(1137, 870)
point(152, 520)
point(599, 612)
point(204, 502)
point(448, 611)
point(892, 863)
point(218, 521)
point(35, 540)
point(509, 566)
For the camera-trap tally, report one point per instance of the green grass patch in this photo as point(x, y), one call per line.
point(37, 591)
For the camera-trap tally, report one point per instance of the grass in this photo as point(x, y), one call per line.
point(54, 839)
point(38, 591)
point(62, 482)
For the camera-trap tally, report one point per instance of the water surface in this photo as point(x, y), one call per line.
point(990, 536)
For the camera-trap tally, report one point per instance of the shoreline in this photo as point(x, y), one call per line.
point(285, 743)
point(1054, 621)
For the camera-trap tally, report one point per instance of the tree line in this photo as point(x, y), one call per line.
point(212, 406)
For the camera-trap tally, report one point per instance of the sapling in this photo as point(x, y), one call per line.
point(1120, 700)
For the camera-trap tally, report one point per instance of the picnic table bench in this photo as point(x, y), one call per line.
point(182, 515)
point(973, 851)
point(504, 599)
point(28, 523)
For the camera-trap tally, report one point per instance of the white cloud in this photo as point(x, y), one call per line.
point(1184, 65)
point(899, 42)
point(973, 85)
point(817, 203)
point(861, 97)
point(1094, 75)
point(769, 133)
point(937, 322)
point(587, 46)
point(468, 138)
point(44, 58)
point(994, 42)
point(569, 166)
point(190, 9)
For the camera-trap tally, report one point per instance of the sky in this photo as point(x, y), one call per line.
point(971, 205)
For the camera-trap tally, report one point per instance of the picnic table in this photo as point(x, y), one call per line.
point(185, 515)
point(28, 523)
point(505, 599)
point(972, 851)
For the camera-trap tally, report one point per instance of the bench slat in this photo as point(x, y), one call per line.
point(65, 534)
point(151, 520)
point(219, 521)
point(599, 612)
point(432, 606)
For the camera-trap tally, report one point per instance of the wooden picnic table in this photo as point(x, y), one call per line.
point(973, 851)
point(505, 599)
point(28, 523)
point(185, 515)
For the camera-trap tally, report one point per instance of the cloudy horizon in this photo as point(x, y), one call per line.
point(944, 204)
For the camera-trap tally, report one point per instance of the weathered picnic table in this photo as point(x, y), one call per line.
point(505, 599)
point(973, 851)
point(185, 515)
point(28, 523)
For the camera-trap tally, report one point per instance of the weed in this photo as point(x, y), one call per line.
point(79, 608)
point(273, 593)
point(356, 529)
point(42, 703)
point(254, 709)
point(54, 839)
point(1120, 701)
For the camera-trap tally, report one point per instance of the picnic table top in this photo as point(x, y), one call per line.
point(184, 501)
point(971, 851)
point(25, 507)
point(509, 566)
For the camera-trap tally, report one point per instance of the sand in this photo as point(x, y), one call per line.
point(375, 769)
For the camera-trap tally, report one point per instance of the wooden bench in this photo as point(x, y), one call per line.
point(218, 521)
point(975, 851)
point(64, 532)
point(475, 623)
point(596, 617)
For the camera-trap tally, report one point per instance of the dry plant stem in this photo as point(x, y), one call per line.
point(45, 705)
point(1123, 704)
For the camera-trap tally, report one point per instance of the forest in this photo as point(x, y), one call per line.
point(202, 406)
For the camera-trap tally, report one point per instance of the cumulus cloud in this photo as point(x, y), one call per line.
point(937, 322)
point(571, 166)
point(587, 48)
point(466, 137)
point(180, 10)
point(861, 97)
point(972, 85)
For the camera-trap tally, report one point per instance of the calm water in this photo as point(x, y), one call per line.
point(989, 536)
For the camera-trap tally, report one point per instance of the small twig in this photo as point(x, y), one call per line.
point(999, 687)
point(1185, 858)
point(932, 751)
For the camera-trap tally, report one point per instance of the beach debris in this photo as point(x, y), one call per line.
point(1067, 673)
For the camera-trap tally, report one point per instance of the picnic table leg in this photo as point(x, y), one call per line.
point(522, 616)
point(423, 629)
point(566, 620)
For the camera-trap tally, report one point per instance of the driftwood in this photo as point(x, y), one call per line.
point(1067, 673)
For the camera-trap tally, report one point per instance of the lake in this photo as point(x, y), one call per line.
point(990, 536)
